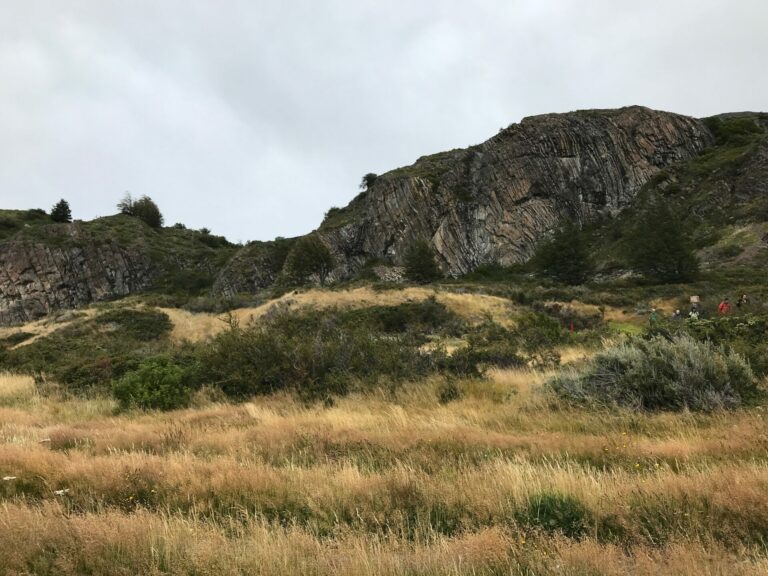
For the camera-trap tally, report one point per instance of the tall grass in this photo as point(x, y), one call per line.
point(503, 480)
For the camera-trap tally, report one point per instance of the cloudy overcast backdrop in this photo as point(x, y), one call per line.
point(252, 118)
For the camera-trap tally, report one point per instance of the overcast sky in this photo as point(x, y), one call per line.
point(252, 118)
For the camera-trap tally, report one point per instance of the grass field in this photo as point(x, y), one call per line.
point(504, 480)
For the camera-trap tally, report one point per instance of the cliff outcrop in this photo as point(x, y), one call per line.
point(47, 267)
point(492, 203)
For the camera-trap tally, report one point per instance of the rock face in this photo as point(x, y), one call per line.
point(64, 269)
point(489, 203)
point(493, 202)
point(255, 267)
point(46, 267)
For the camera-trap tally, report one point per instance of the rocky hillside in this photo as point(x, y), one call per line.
point(492, 202)
point(487, 204)
point(46, 266)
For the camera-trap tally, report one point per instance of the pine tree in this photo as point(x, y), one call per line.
point(658, 247)
point(420, 263)
point(61, 212)
point(565, 257)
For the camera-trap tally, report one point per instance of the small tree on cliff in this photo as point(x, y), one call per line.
point(309, 257)
point(565, 257)
point(143, 208)
point(420, 263)
point(368, 181)
point(61, 212)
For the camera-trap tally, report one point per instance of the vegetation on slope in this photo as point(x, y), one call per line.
point(502, 480)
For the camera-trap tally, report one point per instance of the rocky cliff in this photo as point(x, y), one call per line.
point(65, 268)
point(493, 202)
point(487, 204)
point(47, 267)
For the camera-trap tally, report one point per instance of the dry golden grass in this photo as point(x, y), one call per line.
point(382, 483)
point(196, 327)
point(14, 386)
point(472, 307)
point(47, 325)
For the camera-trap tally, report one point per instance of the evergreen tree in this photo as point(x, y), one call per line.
point(658, 247)
point(565, 257)
point(61, 212)
point(420, 263)
point(368, 181)
point(309, 257)
point(144, 208)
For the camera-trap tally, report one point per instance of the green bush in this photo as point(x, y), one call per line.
point(745, 335)
point(448, 392)
point(554, 512)
point(156, 384)
point(490, 344)
point(308, 257)
point(661, 374)
point(420, 264)
point(138, 324)
point(313, 353)
point(658, 246)
point(93, 352)
point(144, 209)
point(565, 258)
point(426, 316)
point(538, 335)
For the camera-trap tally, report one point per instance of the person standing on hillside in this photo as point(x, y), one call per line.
point(725, 307)
point(742, 301)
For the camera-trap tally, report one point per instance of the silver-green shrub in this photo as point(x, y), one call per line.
point(661, 374)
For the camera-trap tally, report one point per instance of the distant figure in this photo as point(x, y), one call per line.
point(742, 301)
point(653, 319)
point(677, 315)
point(725, 307)
point(696, 303)
point(693, 314)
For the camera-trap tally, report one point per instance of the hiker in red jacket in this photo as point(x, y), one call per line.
point(725, 307)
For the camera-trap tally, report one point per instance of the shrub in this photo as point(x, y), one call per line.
point(448, 392)
point(555, 512)
point(424, 317)
point(538, 335)
point(420, 264)
point(156, 384)
point(490, 344)
point(744, 335)
point(658, 247)
point(368, 181)
point(661, 374)
point(93, 352)
point(314, 353)
point(144, 209)
point(309, 257)
point(61, 212)
point(565, 257)
point(139, 324)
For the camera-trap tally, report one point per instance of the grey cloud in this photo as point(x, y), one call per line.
point(252, 118)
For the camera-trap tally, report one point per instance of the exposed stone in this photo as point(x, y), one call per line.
point(66, 269)
point(492, 203)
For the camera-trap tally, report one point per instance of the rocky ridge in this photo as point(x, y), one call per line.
point(486, 204)
point(493, 202)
